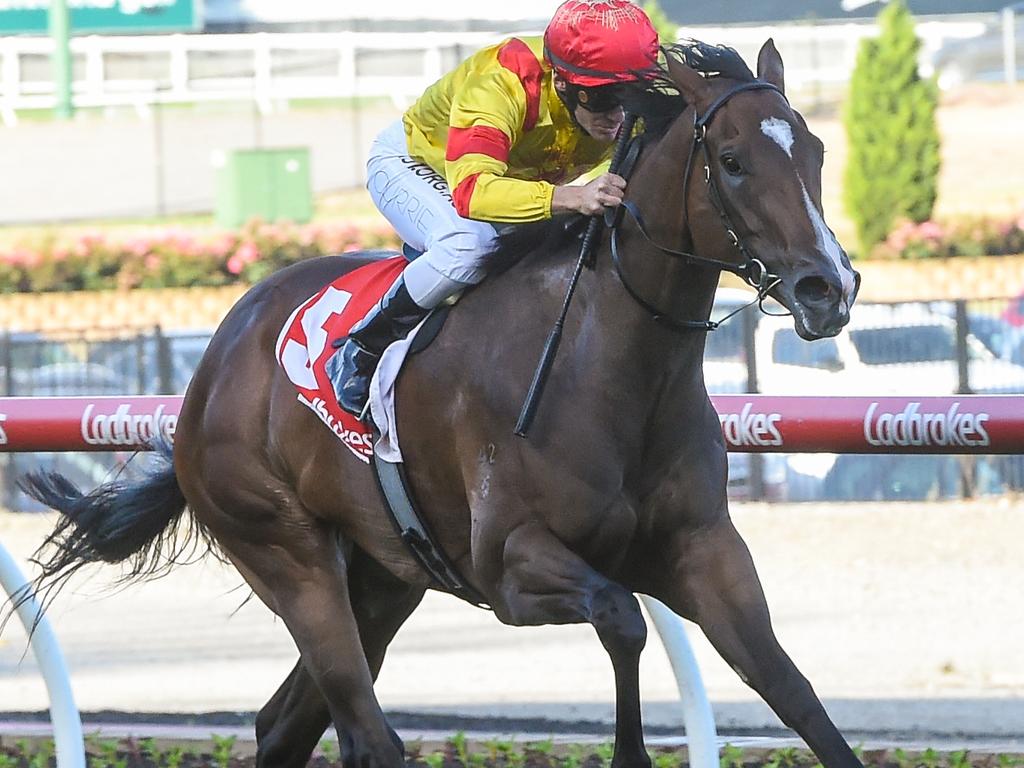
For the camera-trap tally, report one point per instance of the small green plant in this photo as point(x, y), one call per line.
point(504, 752)
point(108, 755)
point(329, 750)
point(731, 757)
point(575, 756)
point(434, 760)
point(1009, 761)
point(147, 748)
point(41, 757)
point(901, 758)
point(222, 747)
point(664, 759)
point(461, 747)
point(543, 747)
point(783, 757)
point(959, 759)
point(604, 753)
point(929, 758)
point(173, 758)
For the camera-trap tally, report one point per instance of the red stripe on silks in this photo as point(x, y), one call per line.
point(516, 57)
point(478, 140)
point(463, 194)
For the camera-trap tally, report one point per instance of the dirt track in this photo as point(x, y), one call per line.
point(905, 617)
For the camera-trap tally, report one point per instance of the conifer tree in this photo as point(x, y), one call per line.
point(667, 29)
point(893, 164)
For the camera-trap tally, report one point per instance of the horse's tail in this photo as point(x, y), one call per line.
point(131, 523)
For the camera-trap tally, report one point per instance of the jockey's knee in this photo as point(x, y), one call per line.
point(427, 285)
point(461, 255)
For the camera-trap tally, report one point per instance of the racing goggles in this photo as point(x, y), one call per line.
point(599, 98)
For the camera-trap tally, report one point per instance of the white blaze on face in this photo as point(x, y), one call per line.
point(827, 243)
point(781, 132)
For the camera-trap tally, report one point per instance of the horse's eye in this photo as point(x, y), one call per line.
point(731, 164)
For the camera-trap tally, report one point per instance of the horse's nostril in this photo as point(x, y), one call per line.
point(813, 290)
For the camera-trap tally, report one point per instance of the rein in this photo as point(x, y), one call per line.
point(751, 269)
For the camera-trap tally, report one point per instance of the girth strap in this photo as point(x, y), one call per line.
point(394, 487)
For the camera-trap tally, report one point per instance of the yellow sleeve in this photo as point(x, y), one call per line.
point(489, 113)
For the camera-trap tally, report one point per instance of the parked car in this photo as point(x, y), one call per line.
point(725, 355)
point(901, 349)
point(725, 372)
point(1002, 339)
point(907, 349)
point(138, 360)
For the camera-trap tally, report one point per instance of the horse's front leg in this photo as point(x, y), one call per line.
point(539, 581)
point(713, 582)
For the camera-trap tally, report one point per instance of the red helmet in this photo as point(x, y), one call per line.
point(600, 42)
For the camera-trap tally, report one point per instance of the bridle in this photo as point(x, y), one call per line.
point(750, 269)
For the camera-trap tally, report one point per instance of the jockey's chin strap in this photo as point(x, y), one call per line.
point(750, 269)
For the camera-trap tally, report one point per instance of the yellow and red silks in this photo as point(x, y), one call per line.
point(496, 129)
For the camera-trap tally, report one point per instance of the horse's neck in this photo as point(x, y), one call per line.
point(677, 289)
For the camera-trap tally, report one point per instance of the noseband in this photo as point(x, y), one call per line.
point(750, 269)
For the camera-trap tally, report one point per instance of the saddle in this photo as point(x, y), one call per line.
point(304, 345)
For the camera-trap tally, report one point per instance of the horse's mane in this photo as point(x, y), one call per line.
point(654, 99)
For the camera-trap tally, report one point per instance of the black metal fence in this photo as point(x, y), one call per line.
point(155, 362)
point(937, 348)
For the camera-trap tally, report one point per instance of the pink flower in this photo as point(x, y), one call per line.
point(930, 230)
point(138, 247)
point(235, 265)
point(222, 245)
point(900, 237)
point(247, 253)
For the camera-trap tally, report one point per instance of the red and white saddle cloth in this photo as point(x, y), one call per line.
point(307, 341)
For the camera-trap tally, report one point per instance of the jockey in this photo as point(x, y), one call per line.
point(495, 141)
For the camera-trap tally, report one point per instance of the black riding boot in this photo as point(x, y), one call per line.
point(352, 366)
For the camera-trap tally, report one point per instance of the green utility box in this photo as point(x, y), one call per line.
point(271, 184)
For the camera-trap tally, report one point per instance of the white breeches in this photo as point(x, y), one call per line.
point(418, 203)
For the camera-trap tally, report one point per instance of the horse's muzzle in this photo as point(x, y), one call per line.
point(821, 306)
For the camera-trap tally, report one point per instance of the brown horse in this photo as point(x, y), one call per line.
point(620, 488)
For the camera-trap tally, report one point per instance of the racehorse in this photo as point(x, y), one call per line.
point(619, 489)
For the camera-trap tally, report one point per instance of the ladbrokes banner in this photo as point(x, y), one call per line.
point(969, 424)
point(90, 16)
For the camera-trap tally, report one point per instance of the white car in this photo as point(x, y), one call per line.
point(901, 349)
point(904, 349)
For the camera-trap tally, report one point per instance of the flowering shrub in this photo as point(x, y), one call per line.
point(178, 257)
point(969, 237)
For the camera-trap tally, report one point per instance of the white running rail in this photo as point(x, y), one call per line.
point(698, 719)
point(67, 723)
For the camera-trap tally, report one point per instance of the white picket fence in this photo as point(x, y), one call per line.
point(268, 68)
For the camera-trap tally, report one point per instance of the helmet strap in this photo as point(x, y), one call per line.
point(569, 97)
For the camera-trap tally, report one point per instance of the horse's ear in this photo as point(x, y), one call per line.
point(690, 82)
point(769, 65)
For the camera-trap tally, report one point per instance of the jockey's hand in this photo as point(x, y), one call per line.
point(592, 198)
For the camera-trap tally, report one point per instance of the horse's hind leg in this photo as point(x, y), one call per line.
point(713, 582)
point(297, 567)
point(289, 726)
point(542, 582)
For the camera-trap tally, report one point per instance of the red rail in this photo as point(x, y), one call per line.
point(750, 423)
